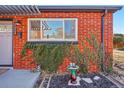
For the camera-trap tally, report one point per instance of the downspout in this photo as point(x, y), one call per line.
point(102, 36)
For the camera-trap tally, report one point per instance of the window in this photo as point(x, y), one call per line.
point(64, 29)
point(34, 30)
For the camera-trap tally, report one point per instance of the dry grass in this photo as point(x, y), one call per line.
point(118, 58)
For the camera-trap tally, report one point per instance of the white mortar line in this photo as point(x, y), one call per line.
point(49, 81)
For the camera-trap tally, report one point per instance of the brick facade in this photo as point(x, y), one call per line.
point(87, 22)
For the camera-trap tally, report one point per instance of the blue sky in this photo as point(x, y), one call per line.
point(53, 25)
point(118, 24)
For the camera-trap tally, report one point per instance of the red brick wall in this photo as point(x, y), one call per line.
point(87, 22)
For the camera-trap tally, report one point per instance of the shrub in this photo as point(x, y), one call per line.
point(94, 53)
point(48, 56)
point(118, 41)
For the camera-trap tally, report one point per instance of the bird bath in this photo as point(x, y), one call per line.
point(74, 80)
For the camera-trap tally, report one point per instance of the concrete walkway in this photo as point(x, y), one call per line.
point(18, 79)
point(2, 71)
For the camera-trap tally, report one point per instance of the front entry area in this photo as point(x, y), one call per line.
point(5, 43)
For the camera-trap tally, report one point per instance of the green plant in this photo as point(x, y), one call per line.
point(108, 63)
point(48, 56)
point(94, 53)
point(118, 41)
point(77, 57)
point(83, 68)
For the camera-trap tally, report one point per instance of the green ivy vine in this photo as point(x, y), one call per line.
point(48, 56)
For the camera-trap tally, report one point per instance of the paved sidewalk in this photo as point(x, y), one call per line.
point(2, 71)
point(18, 79)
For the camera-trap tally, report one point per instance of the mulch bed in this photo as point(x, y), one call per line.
point(61, 81)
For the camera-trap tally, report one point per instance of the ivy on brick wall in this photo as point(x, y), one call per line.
point(48, 56)
point(94, 54)
point(51, 56)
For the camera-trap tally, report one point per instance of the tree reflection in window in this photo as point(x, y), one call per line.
point(52, 29)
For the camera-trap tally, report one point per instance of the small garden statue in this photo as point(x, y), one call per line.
point(73, 70)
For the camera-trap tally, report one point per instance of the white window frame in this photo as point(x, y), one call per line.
point(61, 19)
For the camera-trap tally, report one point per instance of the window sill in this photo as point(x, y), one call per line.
point(53, 42)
